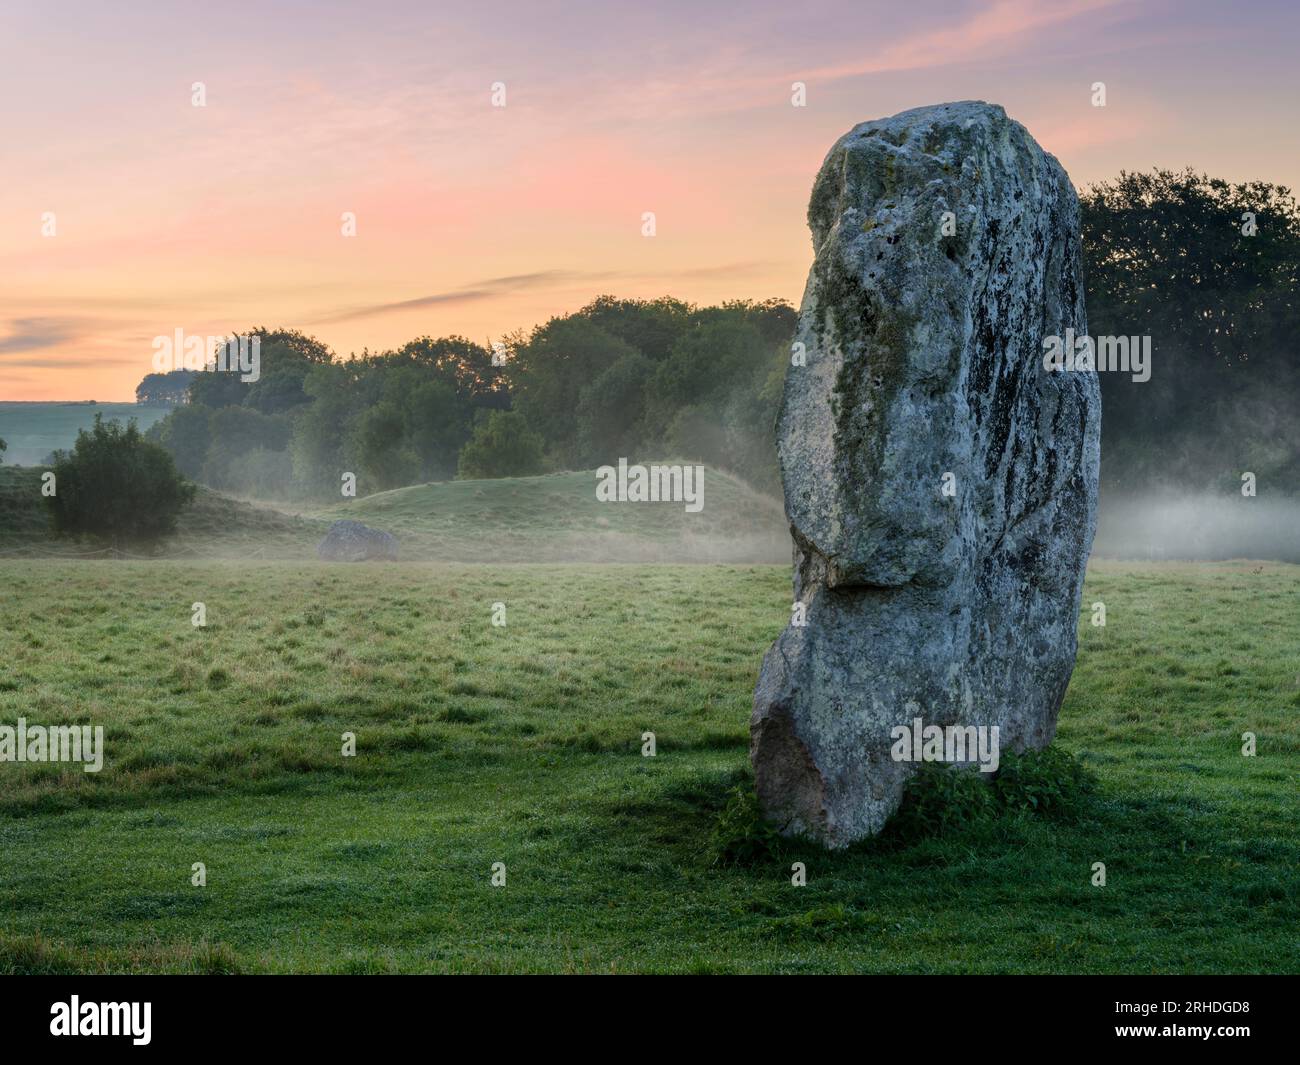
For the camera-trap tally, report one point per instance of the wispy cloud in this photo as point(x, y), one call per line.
point(70, 363)
point(496, 287)
point(986, 34)
point(481, 290)
point(36, 334)
point(219, 217)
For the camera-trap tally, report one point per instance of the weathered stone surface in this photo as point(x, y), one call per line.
point(350, 541)
point(925, 357)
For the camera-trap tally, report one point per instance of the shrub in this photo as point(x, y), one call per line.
point(502, 446)
point(117, 485)
point(741, 836)
point(1050, 781)
point(940, 799)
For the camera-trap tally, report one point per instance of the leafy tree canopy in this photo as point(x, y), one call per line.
point(116, 485)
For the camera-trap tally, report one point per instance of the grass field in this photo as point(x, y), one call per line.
point(555, 518)
point(522, 745)
point(558, 518)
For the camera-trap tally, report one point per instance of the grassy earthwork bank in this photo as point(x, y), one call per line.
point(521, 744)
point(553, 518)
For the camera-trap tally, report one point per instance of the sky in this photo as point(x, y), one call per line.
point(127, 212)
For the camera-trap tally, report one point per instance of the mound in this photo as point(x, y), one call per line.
point(553, 518)
point(557, 518)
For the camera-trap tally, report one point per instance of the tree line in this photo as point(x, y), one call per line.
point(1207, 268)
point(617, 378)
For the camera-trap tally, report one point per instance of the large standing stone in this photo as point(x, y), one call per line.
point(947, 249)
point(351, 541)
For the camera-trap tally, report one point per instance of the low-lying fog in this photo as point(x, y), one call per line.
point(1198, 527)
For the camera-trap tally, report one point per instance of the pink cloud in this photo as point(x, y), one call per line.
point(987, 33)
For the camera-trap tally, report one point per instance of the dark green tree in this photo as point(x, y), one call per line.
point(649, 326)
point(379, 450)
point(549, 373)
point(438, 422)
point(1211, 272)
point(611, 412)
point(235, 432)
point(165, 388)
point(502, 446)
point(462, 363)
point(285, 357)
point(117, 486)
point(213, 389)
point(185, 433)
point(714, 360)
point(320, 430)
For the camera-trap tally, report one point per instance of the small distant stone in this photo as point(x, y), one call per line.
point(351, 541)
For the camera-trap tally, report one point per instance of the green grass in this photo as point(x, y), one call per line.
point(555, 518)
point(522, 745)
point(214, 526)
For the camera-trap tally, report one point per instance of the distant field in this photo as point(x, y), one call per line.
point(521, 745)
point(33, 430)
point(555, 518)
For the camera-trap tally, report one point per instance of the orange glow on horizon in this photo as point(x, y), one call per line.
point(479, 220)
